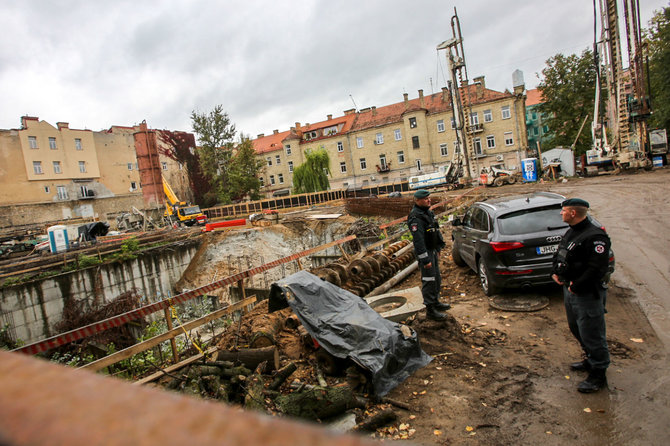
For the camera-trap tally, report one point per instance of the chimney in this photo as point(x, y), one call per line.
point(330, 117)
point(351, 111)
point(63, 125)
point(274, 132)
point(25, 119)
point(421, 102)
point(297, 126)
point(260, 135)
point(479, 86)
point(374, 110)
point(445, 94)
point(405, 96)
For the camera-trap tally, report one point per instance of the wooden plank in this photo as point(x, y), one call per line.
point(145, 345)
point(173, 367)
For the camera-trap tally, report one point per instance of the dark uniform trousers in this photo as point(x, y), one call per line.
point(586, 319)
point(430, 279)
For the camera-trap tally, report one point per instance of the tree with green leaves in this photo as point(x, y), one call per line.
point(244, 170)
point(658, 39)
point(568, 88)
point(312, 175)
point(215, 135)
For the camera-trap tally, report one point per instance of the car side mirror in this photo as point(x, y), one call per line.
point(457, 221)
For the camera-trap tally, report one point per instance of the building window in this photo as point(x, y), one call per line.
point(363, 164)
point(288, 149)
point(47, 189)
point(32, 140)
point(37, 167)
point(509, 139)
point(85, 192)
point(290, 166)
point(415, 142)
point(418, 164)
point(443, 150)
point(401, 157)
point(130, 166)
point(453, 123)
point(52, 143)
point(262, 181)
point(474, 118)
point(440, 126)
point(277, 159)
point(77, 144)
point(397, 134)
point(412, 123)
point(534, 116)
point(343, 167)
point(340, 146)
point(536, 131)
point(488, 116)
point(137, 167)
point(490, 142)
point(379, 138)
point(272, 180)
point(181, 166)
point(457, 147)
point(359, 142)
point(57, 168)
point(164, 165)
point(477, 143)
point(382, 161)
point(505, 112)
point(133, 186)
point(269, 160)
point(281, 178)
point(82, 166)
point(62, 193)
point(545, 129)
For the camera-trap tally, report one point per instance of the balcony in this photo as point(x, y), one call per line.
point(475, 128)
point(386, 167)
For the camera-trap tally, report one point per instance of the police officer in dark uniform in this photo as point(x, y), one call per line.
point(581, 266)
point(428, 241)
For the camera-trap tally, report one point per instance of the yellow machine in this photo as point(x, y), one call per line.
point(179, 211)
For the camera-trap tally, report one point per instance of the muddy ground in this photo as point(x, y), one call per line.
point(505, 378)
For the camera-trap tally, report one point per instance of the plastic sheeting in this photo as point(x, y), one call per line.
point(347, 327)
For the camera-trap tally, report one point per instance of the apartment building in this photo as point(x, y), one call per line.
point(54, 173)
point(379, 145)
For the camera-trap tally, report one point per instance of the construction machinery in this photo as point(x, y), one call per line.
point(180, 212)
point(447, 176)
point(620, 134)
point(497, 175)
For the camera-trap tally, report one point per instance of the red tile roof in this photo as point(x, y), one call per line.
point(270, 143)
point(533, 97)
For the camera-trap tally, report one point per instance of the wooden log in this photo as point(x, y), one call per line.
point(376, 421)
point(316, 403)
point(266, 328)
point(282, 375)
point(251, 357)
point(254, 399)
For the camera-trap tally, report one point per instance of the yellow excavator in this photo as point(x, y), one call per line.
point(180, 212)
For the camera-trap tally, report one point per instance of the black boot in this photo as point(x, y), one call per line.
point(581, 366)
point(433, 313)
point(442, 307)
point(594, 382)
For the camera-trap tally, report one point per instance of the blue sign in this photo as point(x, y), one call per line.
point(529, 169)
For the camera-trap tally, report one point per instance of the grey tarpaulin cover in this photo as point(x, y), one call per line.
point(346, 326)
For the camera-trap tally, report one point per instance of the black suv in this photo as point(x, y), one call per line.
point(510, 241)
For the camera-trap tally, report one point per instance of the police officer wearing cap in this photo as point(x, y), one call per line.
point(428, 242)
point(581, 266)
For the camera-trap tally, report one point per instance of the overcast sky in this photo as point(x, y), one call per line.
point(268, 63)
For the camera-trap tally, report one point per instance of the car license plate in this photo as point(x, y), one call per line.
point(549, 249)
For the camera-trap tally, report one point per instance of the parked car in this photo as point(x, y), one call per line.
point(510, 241)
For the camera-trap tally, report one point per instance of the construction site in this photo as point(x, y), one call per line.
point(490, 376)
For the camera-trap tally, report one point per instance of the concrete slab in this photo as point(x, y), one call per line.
point(398, 305)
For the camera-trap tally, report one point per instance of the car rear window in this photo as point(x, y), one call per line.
point(531, 220)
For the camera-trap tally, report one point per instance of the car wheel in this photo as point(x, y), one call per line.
point(485, 279)
point(498, 182)
point(511, 180)
point(456, 256)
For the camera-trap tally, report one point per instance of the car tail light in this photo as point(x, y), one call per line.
point(514, 273)
point(505, 246)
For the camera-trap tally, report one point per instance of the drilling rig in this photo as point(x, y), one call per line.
point(620, 134)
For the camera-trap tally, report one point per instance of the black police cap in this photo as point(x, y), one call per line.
point(575, 202)
point(421, 193)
